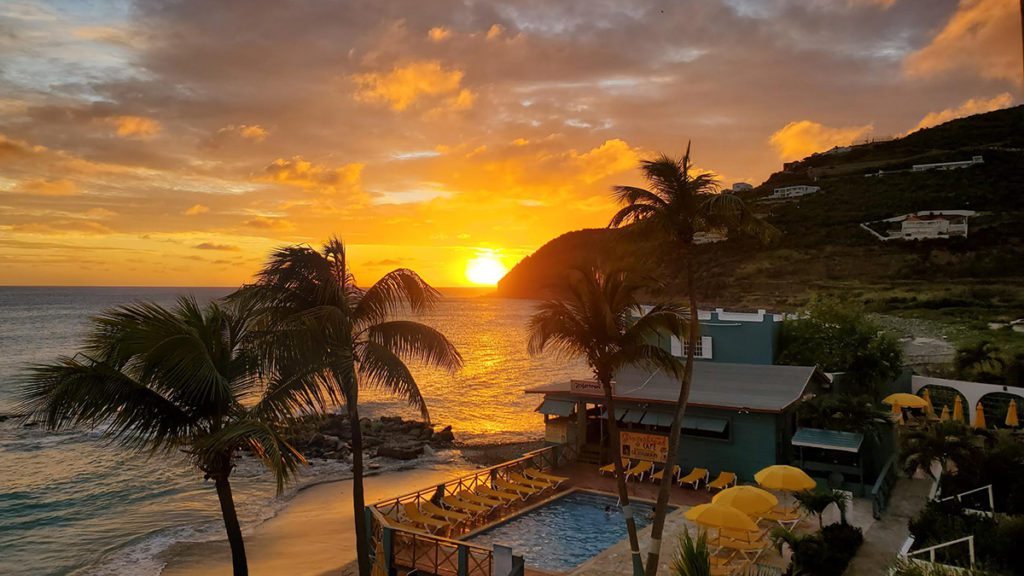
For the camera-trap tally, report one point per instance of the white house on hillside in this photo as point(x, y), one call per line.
point(948, 165)
point(742, 187)
point(924, 225)
point(794, 191)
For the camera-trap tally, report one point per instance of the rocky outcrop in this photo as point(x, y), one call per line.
point(330, 437)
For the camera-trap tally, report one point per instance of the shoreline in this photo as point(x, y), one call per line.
point(312, 533)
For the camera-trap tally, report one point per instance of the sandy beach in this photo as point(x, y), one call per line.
point(314, 533)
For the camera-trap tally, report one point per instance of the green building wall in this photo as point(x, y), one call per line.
point(752, 444)
point(737, 341)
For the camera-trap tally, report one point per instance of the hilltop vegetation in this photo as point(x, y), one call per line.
point(824, 251)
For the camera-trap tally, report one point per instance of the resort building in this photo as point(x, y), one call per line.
point(738, 337)
point(948, 165)
point(794, 191)
point(924, 225)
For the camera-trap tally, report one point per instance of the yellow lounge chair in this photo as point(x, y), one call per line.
point(750, 544)
point(450, 515)
point(695, 477)
point(523, 490)
point(786, 517)
point(610, 468)
point(520, 479)
point(657, 476)
point(412, 512)
point(724, 480)
point(643, 467)
point(543, 477)
point(492, 503)
point(455, 503)
point(392, 523)
point(505, 497)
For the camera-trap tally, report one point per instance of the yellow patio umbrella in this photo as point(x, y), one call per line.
point(929, 410)
point(905, 400)
point(979, 417)
point(1011, 415)
point(749, 499)
point(945, 413)
point(958, 410)
point(716, 515)
point(782, 477)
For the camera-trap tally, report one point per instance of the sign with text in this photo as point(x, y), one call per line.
point(640, 446)
point(589, 387)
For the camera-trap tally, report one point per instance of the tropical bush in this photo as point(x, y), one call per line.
point(996, 543)
point(692, 557)
point(843, 412)
point(825, 553)
point(1000, 464)
point(841, 338)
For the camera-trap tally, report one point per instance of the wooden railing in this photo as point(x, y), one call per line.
point(882, 489)
point(432, 554)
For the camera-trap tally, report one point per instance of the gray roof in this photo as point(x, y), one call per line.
point(756, 387)
point(828, 439)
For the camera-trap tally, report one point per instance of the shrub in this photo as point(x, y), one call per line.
point(826, 553)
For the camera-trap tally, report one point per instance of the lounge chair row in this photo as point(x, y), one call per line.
point(467, 506)
point(695, 478)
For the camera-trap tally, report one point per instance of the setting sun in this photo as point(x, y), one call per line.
point(485, 270)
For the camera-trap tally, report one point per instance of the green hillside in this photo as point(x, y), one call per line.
point(825, 251)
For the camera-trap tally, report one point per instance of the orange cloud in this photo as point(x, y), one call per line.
point(800, 139)
point(63, 227)
point(404, 85)
point(12, 147)
point(135, 126)
point(196, 209)
point(972, 106)
point(439, 33)
point(214, 246)
point(269, 223)
point(253, 132)
point(612, 157)
point(305, 174)
point(495, 31)
point(982, 36)
point(44, 187)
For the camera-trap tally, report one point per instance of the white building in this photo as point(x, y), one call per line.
point(710, 237)
point(948, 165)
point(925, 225)
point(794, 191)
point(742, 187)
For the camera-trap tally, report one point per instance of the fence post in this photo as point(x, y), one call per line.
point(387, 540)
point(970, 546)
point(463, 560)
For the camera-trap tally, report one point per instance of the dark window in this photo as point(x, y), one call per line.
point(700, 427)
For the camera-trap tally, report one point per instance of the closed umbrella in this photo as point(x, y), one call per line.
point(716, 515)
point(958, 410)
point(929, 410)
point(749, 499)
point(782, 477)
point(1011, 415)
point(945, 413)
point(979, 417)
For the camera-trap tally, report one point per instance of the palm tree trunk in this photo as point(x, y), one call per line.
point(620, 477)
point(358, 498)
point(227, 509)
point(664, 491)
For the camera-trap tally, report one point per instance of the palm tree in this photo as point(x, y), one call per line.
point(817, 501)
point(692, 556)
point(598, 317)
point(313, 314)
point(165, 380)
point(678, 206)
point(945, 442)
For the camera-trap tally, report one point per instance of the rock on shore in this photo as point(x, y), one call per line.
point(330, 437)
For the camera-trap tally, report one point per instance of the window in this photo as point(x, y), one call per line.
point(703, 349)
point(700, 427)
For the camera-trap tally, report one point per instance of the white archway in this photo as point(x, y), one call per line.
point(972, 391)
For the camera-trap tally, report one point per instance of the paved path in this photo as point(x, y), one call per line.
point(882, 541)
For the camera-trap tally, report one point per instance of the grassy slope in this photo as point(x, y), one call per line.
point(962, 283)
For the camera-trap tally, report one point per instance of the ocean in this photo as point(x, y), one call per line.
point(71, 503)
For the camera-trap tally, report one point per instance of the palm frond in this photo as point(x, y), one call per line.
point(265, 441)
point(394, 291)
point(381, 368)
point(416, 341)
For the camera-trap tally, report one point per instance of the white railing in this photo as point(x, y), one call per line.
point(931, 549)
point(991, 500)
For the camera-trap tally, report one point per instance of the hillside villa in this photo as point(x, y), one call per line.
point(948, 165)
point(793, 191)
point(923, 225)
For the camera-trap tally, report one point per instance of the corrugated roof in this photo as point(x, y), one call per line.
point(758, 387)
point(828, 439)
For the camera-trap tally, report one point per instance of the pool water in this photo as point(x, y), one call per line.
point(566, 532)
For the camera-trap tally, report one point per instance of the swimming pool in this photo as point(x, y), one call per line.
point(566, 532)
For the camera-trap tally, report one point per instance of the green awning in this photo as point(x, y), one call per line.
point(557, 407)
point(716, 425)
point(828, 439)
point(620, 413)
point(632, 416)
point(657, 419)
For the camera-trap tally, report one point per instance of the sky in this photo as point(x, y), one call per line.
point(177, 143)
